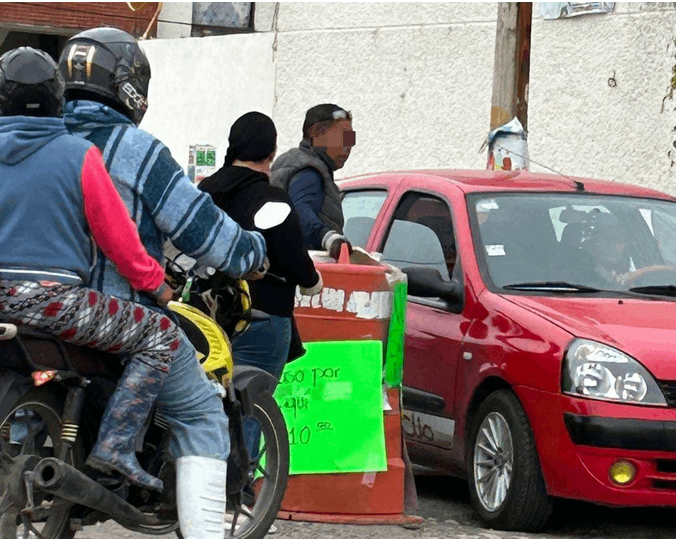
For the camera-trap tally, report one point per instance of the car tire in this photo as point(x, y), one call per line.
point(506, 486)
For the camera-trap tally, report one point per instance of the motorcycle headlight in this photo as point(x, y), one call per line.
point(598, 371)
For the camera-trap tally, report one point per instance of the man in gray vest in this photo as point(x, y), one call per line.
point(306, 173)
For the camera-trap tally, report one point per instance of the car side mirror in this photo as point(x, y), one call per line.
point(427, 283)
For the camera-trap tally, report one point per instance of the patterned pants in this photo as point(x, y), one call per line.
point(89, 318)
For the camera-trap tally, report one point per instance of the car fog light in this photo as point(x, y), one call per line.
point(622, 472)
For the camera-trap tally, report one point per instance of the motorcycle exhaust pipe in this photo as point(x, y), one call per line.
point(62, 480)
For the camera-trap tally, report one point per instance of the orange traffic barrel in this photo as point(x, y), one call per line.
point(354, 305)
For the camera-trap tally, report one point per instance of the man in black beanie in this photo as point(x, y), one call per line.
point(306, 173)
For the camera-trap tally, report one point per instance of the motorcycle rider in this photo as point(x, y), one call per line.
point(107, 77)
point(55, 193)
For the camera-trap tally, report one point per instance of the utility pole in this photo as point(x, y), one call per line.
point(511, 69)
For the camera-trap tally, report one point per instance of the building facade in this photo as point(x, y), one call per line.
point(47, 25)
point(417, 78)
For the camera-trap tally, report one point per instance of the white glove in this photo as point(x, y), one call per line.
point(315, 289)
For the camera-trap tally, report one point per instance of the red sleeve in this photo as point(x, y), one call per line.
point(112, 227)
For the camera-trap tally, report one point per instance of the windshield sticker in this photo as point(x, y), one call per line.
point(495, 250)
point(485, 206)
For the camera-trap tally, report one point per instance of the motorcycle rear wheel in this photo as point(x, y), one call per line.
point(271, 468)
point(32, 426)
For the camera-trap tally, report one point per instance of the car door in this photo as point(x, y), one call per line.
point(420, 232)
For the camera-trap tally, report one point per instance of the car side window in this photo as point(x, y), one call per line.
point(360, 209)
point(421, 234)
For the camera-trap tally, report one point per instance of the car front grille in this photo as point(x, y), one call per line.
point(669, 389)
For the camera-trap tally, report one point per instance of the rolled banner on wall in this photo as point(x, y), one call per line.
point(508, 147)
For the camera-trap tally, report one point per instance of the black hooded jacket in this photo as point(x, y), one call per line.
point(241, 192)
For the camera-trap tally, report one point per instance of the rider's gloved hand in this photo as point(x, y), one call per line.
point(259, 273)
point(163, 294)
point(313, 289)
point(332, 242)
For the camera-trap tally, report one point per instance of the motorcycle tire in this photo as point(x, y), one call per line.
point(274, 473)
point(32, 425)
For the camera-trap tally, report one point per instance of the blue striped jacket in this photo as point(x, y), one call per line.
point(161, 199)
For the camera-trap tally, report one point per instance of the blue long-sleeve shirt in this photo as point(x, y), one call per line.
point(307, 194)
point(161, 199)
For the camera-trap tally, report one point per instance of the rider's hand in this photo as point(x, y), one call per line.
point(163, 295)
point(332, 242)
point(259, 273)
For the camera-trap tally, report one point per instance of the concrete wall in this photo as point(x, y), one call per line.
point(418, 79)
point(580, 124)
point(175, 20)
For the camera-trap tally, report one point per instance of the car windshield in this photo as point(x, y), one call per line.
point(575, 242)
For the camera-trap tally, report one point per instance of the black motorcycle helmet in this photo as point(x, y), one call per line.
point(30, 84)
point(109, 63)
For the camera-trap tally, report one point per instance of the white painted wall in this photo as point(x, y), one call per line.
point(579, 124)
point(419, 91)
point(418, 79)
point(200, 86)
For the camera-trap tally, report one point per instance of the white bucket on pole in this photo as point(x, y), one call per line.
point(508, 147)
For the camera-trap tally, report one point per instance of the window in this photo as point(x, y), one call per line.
point(421, 234)
point(607, 242)
point(218, 18)
point(360, 209)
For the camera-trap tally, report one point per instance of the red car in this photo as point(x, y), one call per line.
point(540, 356)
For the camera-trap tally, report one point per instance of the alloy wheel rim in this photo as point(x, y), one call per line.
point(493, 461)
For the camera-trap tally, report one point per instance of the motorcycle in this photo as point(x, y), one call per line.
point(52, 396)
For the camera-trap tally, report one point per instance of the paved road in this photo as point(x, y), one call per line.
point(445, 506)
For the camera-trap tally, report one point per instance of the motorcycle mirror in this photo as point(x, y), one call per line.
point(271, 214)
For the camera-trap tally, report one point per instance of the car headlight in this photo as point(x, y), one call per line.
point(598, 371)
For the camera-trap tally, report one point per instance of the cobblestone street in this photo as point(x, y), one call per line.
point(445, 506)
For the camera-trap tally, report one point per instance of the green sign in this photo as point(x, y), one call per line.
point(394, 357)
point(332, 401)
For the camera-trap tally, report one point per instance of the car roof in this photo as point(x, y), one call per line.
point(490, 180)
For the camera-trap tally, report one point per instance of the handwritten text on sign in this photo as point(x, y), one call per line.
point(332, 402)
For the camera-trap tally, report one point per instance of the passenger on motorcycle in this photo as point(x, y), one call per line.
point(55, 193)
point(107, 77)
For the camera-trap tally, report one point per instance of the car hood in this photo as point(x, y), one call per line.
point(644, 329)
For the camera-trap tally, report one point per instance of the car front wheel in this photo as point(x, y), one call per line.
point(506, 485)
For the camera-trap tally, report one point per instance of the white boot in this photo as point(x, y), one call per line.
point(200, 497)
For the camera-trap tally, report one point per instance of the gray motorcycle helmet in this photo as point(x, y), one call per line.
point(30, 84)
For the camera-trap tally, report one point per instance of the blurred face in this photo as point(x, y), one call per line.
point(337, 142)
